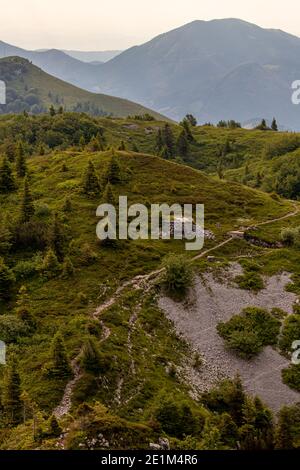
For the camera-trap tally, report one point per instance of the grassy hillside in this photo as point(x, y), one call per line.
point(31, 89)
point(138, 357)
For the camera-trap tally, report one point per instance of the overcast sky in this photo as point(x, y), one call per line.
point(119, 24)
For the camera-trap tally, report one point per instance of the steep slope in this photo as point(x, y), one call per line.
point(30, 88)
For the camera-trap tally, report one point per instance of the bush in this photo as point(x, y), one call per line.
point(178, 275)
point(290, 333)
point(291, 376)
point(289, 236)
point(12, 328)
point(249, 332)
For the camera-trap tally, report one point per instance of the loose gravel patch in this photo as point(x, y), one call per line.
point(215, 300)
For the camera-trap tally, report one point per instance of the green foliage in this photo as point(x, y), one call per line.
point(291, 376)
point(290, 236)
point(50, 266)
point(176, 419)
point(7, 182)
point(248, 332)
point(7, 281)
point(27, 207)
point(11, 395)
point(290, 332)
point(60, 364)
point(20, 160)
point(178, 275)
point(90, 181)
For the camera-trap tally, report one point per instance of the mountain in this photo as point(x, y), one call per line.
point(30, 88)
point(227, 69)
point(93, 56)
point(219, 69)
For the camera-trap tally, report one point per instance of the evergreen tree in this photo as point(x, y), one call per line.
point(274, 126)
point(188, 133)
point(159, 141)
point(108, 195)
point(90, 182)
point(168, 138)
point(20, 160)
point(95, 144)
point(7, 182)
point(23, 309)
point(90, 356)
point(182, 144)
point(54, 428)
point(50, 267)
point(67, 268)
point(113, 175)
point(52, 111)
point(27, 207)
point(191, 120)
point(59, 357)
point(286, 422)
point(41, 150)
point(82, 142)
point(57, 238)
point(7, 281)
point(11, 395)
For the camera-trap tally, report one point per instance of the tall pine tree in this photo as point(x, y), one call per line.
point(90, 182)
point(7, 182)
point(20, 160)
point(11, 395)
point(27, 207)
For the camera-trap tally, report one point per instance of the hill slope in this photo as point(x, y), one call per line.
point(30, 88)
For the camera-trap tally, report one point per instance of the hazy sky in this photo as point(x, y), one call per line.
point(118, 24)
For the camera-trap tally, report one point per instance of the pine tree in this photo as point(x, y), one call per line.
point(57, 238)
point(52, 111)
point(54, 428)
point(108, 195)
point(50, 267)
point(59, 357)
point(274, 126)
point(23, 309)
point(67, 268)
point(191, 119)
point(188, 133)
point(7, 281)
point(95, 144)
point(90, 182)
point(7, 182)
point(168, 138)
point(20, 160)
point(27, 207)
point(135, 148)
point(159, 141)
point(11, 395)
point(82, 142)
point(284, 434)
point(182, 144)
point(90, 356)
point(113, 175)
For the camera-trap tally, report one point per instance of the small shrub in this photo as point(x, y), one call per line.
point(178, 274)
point(291, 376)
point(289, 236)
point(249, 332)
point(290, 333)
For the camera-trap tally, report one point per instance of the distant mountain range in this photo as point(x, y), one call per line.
point(89, 56)
point(220, 69)
point(31, 89)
